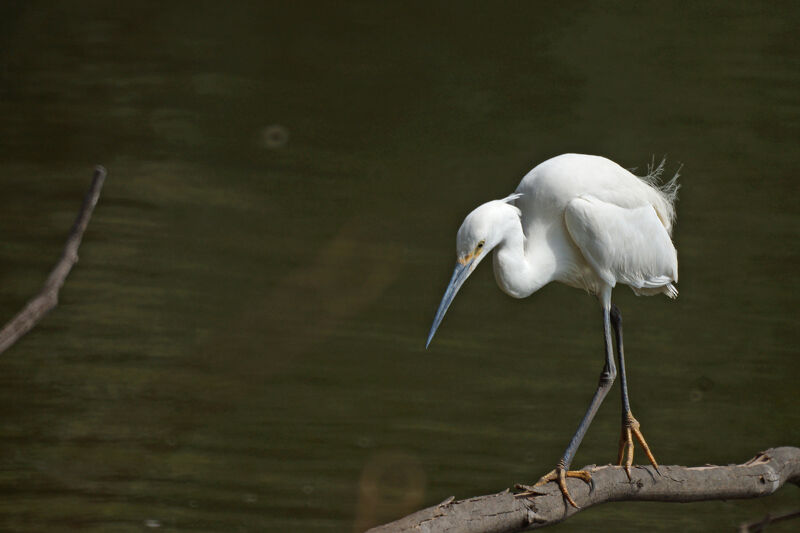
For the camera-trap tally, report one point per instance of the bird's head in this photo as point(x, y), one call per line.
point(482, 230)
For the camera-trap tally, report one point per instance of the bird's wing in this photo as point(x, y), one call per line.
point(625, 245)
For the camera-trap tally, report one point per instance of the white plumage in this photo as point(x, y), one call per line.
point(602, 225)
point(587, 222)
point(624, 245)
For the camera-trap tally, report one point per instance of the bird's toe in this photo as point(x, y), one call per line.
point(560, 476)
point(632, 429)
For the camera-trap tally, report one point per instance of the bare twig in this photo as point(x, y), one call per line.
point(761, 524)
point(507, 512)
point(39, 305)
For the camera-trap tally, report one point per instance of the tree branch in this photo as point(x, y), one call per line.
point(507, 512)
point(47, 298)
point(760, 525)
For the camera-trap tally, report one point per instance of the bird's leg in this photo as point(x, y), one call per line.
point(607, 377)
point(630, 426)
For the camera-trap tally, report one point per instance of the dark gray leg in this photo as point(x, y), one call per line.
point(606, 380)
point(616, 322)
point(630, 426)
point(607, 377)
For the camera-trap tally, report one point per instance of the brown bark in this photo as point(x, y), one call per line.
point(47, 298)
point(507, 512)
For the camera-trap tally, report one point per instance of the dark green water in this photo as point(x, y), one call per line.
point(241, 346)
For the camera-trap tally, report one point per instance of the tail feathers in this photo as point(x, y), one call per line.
point(669, 289)
point(666, 193)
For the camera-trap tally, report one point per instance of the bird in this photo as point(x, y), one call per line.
point(586, 222)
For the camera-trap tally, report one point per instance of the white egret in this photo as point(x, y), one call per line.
point(586, 222)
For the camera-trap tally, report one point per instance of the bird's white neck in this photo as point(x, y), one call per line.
point(521, 270)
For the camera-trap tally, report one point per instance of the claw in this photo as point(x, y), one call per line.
point(560, 475)
point(625, 450)
point(630, 429)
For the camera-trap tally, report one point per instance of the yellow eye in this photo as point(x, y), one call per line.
point(480, 244)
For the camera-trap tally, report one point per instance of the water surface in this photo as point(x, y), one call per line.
point(241, 347)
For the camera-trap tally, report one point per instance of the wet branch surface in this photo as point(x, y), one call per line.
point(47, 298)
point(507, 512)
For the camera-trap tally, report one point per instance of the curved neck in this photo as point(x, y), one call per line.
point(523, 266)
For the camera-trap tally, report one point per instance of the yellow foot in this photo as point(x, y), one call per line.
point(560, 475)
point(630, 429)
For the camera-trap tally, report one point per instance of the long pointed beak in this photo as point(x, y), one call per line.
point(460, 275)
